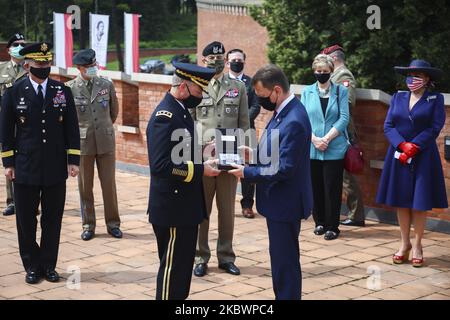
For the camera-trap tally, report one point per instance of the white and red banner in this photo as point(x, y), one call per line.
point(99, 26)
point(62, 39)
point(131, 43)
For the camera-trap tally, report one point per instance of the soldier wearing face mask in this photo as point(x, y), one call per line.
point(236, 62)
point(40, 148)
point(224, 107)
point(10, 72)
point(97, 109)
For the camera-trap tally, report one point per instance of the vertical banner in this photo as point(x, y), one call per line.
point(99, 26)
point(131, 43)
point(62, 39)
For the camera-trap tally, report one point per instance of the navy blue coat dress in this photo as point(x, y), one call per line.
point(419, 185)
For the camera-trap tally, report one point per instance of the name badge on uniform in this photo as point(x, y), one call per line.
point(232, 93)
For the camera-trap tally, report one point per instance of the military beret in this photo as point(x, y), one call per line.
point(214, 48)
point(332, 49)
point(17, 37)
point(199, 75)
point(40, 51)
point(84, 57)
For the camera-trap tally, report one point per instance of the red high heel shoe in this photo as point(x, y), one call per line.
point(417, 262)
point(399, 259)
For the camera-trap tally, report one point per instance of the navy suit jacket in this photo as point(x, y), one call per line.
point(283, 188)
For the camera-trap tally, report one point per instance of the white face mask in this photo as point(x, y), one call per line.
point(91, 71)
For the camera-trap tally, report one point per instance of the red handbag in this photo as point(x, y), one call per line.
point(353, 160)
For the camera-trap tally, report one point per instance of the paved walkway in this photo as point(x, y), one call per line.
point(355, 266)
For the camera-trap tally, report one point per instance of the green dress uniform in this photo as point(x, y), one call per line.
point(355, 204)
point(225, 106)
point(10, 72)
point(97, 108)
point(176, 202)
point(40, 139)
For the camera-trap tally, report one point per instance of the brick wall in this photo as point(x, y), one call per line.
point(234, 31)
point(138, 99)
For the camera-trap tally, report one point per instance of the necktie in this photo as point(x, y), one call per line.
point(216, 87)
point(40, 95)
point(17, 68)
point(89, 86)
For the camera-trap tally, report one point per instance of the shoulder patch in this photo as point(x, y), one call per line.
point(346, 83)
point(164, 113)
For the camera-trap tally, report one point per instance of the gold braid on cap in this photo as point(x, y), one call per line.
point(200, 81)
point(39, 56)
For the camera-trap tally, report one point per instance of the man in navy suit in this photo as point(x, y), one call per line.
point(283, 185)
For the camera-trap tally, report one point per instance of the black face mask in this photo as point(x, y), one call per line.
point(266, 103)
point(191, 101)
point(236, 66)
point(40, 73)
point(322, 77)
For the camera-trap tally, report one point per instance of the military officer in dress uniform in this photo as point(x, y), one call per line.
point(97, 109)
point(10, 72)
point(236, 60)
point(176, 201)
point(342, 75)
point(224, 107)
point(40, 146)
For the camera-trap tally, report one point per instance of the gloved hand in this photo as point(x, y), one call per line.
point(409, 148)
point(403, 158)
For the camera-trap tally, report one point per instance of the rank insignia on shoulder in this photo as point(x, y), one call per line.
point(164, 113)
point(346, 83)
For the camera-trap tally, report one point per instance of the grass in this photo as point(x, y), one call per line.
point(114, 65)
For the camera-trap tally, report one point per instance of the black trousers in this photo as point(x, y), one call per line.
point(248, 194)
point(176, 250)
point(27, 198)
point(327, 179)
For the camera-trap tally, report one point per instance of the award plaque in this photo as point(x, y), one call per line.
point(227, 149)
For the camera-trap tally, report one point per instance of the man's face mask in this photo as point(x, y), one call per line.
point(14, 51)
point(191, 101)
point(266, 103)
point(217, 64)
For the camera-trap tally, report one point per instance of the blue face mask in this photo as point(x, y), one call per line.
point(91, 71)
point(14, 52)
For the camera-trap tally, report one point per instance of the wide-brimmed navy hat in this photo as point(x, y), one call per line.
point(421, 66)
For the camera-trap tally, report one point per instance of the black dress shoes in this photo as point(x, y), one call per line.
point(331, 235)
point(353, 223)
point(115, 232)
point(9, 210)
point(51, 276)
point(200, 269)
point(319, 230)
point(32, 277)
point(87, 235)
point(230, 268)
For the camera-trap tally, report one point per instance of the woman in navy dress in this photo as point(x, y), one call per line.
point(412, 179)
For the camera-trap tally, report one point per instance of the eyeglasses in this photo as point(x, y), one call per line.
point(16, 44)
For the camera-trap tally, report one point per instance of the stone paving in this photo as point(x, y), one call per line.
point(355, 266)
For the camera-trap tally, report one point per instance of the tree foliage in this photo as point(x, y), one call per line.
point(299, 29)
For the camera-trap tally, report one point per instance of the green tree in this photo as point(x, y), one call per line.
point(299, 29)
